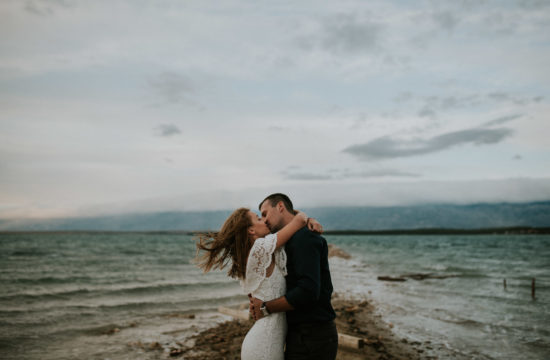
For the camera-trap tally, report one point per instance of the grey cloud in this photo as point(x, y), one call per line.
point(534, 4)
point(379, 173)
point(45, 7)
point(337, 174)
point(387, 147)
point(499, 96)
point(433, 104)
point(359, 121)
point(344, 33)
point(447, 16)
point(446, 20)
point(307, 176)
point(427, 112)
point(503, 119)
point(504, 97)
point(430, 106)
point(403, 97)
point(517, 157)
point(501, 23)
point(452, 102)
point(167, 130)
point(174, 88)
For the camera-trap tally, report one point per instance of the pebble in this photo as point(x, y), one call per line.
point(155, 346)
point(176, 352)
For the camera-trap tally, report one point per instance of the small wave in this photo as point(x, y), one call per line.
point(203, 303)
point(449, 317)
point(84, 315)
point(438, 267)
point(30, 252)
point(465, 322)
point(539, 343)
point(102, 291)
point(169, 287)
point(484, 326)
point(143, 308)
point(43, 296)
point(51, 280)
point(132, 252)
point(139, 305)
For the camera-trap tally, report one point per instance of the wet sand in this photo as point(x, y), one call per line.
point(354, 317)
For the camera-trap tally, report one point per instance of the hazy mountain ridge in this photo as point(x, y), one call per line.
point(474, 216)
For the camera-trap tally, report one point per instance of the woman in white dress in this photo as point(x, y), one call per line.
point(258, 259)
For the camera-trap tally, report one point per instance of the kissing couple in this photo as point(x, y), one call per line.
point(282, 263)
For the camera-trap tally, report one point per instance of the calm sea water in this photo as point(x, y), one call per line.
point(62, 293)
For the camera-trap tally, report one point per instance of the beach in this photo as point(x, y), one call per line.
point(354, 317)
point(129, 296)
point(368, 335)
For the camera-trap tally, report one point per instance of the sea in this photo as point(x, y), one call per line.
point(94, 295)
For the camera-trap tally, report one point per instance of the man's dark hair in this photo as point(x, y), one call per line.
point(274, 200)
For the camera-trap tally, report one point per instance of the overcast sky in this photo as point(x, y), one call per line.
point(133, 105)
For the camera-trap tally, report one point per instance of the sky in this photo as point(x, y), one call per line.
point(115, 106)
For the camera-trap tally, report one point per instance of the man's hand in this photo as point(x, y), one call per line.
point(254, 308)
point(314, 226)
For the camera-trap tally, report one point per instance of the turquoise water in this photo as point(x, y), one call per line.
point(61, 292)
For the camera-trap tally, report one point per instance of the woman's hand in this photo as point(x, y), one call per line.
point(301, 216)
point(314, 226)
point(311, 223)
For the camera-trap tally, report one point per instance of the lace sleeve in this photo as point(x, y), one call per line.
point(280, 260)
point(258, 261)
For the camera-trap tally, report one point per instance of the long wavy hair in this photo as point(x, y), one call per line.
point(231, 243)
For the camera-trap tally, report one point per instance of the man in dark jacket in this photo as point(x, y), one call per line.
point(310, 317)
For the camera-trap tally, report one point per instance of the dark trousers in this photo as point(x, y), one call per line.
point(311, 341)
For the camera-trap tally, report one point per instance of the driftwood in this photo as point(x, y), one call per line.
point(237, 314)
point(427, 276)
point(419, 276)
point(174, 331)
point(389, 278)
point(349, 341)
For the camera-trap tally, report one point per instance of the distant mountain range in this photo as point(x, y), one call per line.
point(474, 216)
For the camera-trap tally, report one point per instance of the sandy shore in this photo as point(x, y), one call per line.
point(354, 317)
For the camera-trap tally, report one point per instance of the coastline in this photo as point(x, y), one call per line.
point(507, 230)
point(84, 297)
point(355, 317)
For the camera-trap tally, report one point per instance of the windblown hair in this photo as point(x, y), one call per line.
point(274, 199)
point(231, 243)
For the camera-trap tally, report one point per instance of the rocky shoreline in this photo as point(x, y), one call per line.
point(354, 317)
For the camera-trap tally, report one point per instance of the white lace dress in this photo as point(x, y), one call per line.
point(266, 339)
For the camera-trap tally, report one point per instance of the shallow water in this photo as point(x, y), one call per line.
point(63, 292)
point(469, 313)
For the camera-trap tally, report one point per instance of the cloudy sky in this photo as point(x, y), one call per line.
point(133, 105)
